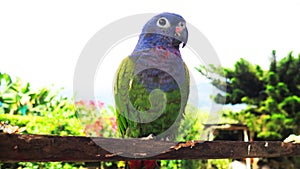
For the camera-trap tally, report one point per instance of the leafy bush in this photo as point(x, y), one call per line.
point(40, 111)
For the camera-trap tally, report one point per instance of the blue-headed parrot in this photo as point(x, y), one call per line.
point(152, 84)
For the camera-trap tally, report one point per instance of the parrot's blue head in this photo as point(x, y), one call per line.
point(165, 31)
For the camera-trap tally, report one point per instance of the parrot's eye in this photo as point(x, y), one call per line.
point(163, 22)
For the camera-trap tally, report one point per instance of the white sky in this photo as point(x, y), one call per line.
point(40, 41)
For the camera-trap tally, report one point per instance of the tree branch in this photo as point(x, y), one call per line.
point(17, 147)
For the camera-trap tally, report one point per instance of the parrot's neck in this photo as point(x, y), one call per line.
point(151, 42)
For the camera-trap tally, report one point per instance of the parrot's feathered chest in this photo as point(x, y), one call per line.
point(156, 79)
point(155, 70)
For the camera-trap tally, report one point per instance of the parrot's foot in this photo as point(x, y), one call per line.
point(150, 137)
point(153, 137)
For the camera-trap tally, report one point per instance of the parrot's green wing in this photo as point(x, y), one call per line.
point(130, 99)
point(121, 88)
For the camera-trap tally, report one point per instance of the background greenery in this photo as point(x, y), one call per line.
point(272, 98)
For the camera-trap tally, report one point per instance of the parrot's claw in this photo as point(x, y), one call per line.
point(165, 139)
point(150, 137)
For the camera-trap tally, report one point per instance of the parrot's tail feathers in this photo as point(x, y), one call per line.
point(142, 164)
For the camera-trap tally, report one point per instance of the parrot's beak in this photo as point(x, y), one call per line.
point(184, 37)
point(181, 35)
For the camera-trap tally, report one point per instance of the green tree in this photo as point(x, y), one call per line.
point(272, 97)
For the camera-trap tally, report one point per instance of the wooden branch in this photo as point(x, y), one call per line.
point(17, 147)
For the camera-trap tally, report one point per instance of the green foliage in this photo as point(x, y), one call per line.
point(272, 96)
point(16, 97)
point(45, 125)
point(52, 165)
point(40, 111)
point(236, 86)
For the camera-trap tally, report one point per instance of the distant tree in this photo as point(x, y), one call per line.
point(272, 96)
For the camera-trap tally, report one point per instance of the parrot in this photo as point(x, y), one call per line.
point(151, 85)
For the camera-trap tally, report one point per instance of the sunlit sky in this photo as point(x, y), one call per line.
point(40, 41)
